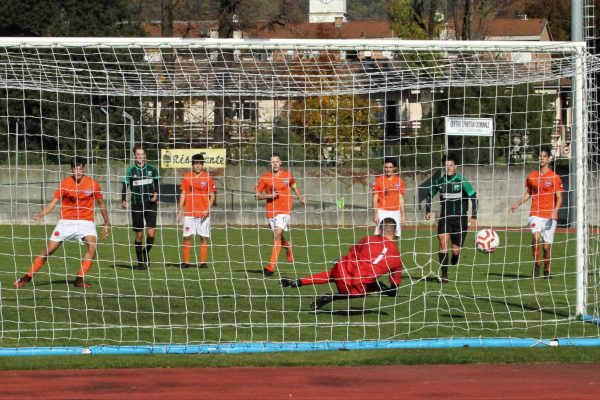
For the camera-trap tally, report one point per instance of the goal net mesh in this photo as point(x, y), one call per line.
point(334, 111)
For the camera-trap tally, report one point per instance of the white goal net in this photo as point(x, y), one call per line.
point(335, 112)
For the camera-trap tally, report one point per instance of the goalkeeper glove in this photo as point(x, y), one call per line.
point(383, 288)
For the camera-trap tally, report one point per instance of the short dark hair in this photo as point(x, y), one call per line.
point(138, 147)
point(198, 158)
point(546, 149)
point(388, 225)
point(76, 161)
point(392, 161)
point(450, 157)
point(274, 155)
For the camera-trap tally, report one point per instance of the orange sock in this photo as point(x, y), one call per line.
point(275, 252)
point(187, 249)
point(37, 264)
point(203, 252)
point(85, 267)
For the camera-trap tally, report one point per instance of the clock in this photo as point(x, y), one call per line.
point(325, 1)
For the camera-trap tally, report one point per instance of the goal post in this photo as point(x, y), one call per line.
point(334, 111)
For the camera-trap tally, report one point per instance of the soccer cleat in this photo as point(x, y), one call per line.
point(203, 265)
point(293, 283)
point(184, 265)
point(547, 275)
point(268, 270)
point(142, 266)
point(24, 280)
point(321, 301)
point(443, 278)
point(80, 283)
point(536, 271)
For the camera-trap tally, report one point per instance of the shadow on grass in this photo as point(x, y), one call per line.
point(350, 312)
point(515, 276)
point(124, 266)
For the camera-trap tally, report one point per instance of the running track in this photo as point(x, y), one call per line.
point(510, 381)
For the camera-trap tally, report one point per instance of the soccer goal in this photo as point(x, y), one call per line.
point(335, 112)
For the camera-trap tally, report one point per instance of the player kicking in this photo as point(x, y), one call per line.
point(545, 189)
point(76, 194)
point(142, 179)
point(276, 188)
point(453, 224)
point(388, 196)
point(197, 197)
point(357, 272)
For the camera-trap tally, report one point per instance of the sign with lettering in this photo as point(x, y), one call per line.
point(182, 158)
point(459, 126)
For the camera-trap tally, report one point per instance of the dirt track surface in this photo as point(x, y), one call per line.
point(535, 381)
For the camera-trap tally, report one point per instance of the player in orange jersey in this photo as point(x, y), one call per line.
point(276, 188)
point(545, 189)
point(198, 195)
point(388, 196)
point(76, 194)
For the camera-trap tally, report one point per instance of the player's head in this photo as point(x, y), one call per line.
point(387, 227)
point(450, 162)
point(275, 161)
point(545, 156)
point(197, 162)
point(78, 167)
point(139, 154)
point(389, 166)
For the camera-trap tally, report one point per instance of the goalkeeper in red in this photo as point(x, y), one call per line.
point(356, 274)
point(76, 194)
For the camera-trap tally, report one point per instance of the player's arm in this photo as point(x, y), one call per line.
point(402, 209)
point(124, 195)
point(155, 190)
point(181, 204)
point(375, 209)
point(260, 192)
point(104, 212)
point(559, 199)
point(297, 193)
point(430, 193)
point(522, 200)
point(46, 210)
point(472, 195)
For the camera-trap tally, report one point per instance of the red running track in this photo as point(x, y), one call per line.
point(511, 381)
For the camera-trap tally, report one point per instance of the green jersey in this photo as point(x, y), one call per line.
point(455, 192)
point(142, 182)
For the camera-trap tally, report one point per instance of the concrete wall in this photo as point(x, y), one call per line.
point(24, 191)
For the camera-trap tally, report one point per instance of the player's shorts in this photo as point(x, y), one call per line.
point(144, 216)
point(279, 221)
point(546, 226)
point(196, 226)
point(344, 283)
point(455, 226)
point(66, 229)
point(395, 215)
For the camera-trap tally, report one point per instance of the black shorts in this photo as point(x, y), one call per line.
point(141, 213)
point(454, 226)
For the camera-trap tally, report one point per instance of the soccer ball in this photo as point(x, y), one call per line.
point(487, 241)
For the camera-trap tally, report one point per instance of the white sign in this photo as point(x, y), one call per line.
point(459, 126)
point(182, 158)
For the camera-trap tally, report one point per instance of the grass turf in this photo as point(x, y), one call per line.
point(489, 295)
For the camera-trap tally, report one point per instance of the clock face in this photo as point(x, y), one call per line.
point(325, 1)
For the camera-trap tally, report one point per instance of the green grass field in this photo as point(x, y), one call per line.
point(489, 296)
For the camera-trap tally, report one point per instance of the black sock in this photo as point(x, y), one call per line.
point(443, 256)
point(149, 244)
point(454, 259)
point(139, 251)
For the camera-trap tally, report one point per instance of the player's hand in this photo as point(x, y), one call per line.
point(428, 216)
point(554, 215)
point(514, 207)
point(473, 224)
point(106, 230)
point(302, 199)
point(275, 195)
point(37, 218)
point(154, 197)
point(376, 219)
point(204, 215)
point(179, 214)
point(124, 205)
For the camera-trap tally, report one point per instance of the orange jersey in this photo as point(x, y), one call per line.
point(542, 189)
point(280, 183)
point(77, 199)
point(197, 188)
point(389, 191)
